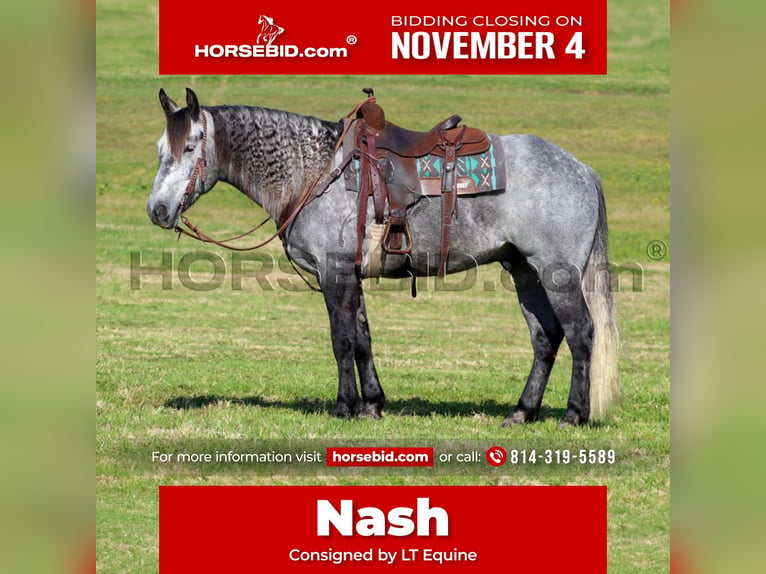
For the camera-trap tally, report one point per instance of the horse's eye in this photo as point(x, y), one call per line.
point(189, 148)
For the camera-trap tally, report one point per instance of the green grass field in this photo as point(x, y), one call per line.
point(253, 365)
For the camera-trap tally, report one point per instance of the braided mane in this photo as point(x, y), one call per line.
point(272, 155)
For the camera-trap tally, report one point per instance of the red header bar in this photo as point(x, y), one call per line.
point(395, 37)
point(380, 456)
point(318, 529)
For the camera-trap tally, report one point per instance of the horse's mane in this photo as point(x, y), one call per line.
point(275, 154)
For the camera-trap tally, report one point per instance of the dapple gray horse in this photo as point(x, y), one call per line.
point(547, 228)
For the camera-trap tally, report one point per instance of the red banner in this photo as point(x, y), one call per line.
point(380, 456)
point(382, 529)
point(395, 37)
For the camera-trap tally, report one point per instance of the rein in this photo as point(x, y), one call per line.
point(312, 192)
point(199, 172)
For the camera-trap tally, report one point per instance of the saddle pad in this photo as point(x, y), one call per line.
point(478, 173)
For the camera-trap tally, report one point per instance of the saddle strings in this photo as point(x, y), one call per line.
point(347, 124)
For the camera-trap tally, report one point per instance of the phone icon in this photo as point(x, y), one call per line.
point(496, 456)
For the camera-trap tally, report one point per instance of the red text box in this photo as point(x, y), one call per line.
point(465, 528)
point(395, 37)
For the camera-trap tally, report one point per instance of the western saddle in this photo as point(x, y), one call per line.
point(390, 166)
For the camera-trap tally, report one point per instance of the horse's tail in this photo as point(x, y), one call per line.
point(604, 378)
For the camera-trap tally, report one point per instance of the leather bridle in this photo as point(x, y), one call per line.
point(317, 189)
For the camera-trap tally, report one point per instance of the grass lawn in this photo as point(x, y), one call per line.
point(250, 365)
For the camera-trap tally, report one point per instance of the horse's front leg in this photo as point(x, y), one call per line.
point(373, 398)
point(352, 346)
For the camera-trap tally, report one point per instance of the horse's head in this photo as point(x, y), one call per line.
point(185, 171)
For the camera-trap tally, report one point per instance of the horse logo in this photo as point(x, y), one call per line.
point(269, 30)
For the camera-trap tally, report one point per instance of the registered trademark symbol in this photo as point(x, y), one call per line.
point(656, 250)
point(351, 39)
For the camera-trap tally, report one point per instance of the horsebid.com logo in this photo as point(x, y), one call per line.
point(269, 30)
point(264, 46)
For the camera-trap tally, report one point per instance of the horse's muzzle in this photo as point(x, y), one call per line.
point(160, 215)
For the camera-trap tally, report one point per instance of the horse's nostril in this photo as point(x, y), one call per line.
point(160, 212)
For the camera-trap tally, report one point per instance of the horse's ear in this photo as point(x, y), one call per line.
point(167, 104)
point(192, 103)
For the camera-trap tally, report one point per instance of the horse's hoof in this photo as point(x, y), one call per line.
point(570, 419)
point(341, 411)
point(518, 417)
point(371, 411)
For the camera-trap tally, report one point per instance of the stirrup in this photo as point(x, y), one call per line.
point(406, 244)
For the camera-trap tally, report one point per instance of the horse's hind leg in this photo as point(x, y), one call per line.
point(373, 398)
point(572, 312)
point(546, 334)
